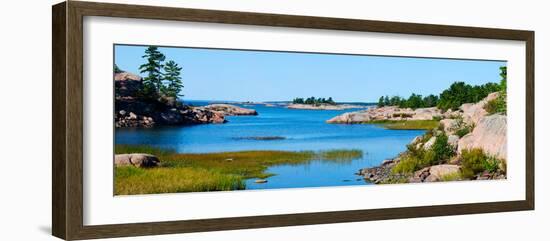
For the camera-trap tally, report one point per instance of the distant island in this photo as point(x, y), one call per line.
point(313, 103)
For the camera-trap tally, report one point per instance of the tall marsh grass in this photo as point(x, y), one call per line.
point(192, 172)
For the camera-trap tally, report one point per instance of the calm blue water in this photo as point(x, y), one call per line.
point(303, 130)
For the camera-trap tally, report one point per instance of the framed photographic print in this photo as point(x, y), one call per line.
point(170, 120)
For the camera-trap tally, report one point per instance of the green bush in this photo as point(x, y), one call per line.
point(416, 159)
point(442, 150)
point(472, 162)
point(409, 164)
point(463, 131)
point(437, 118)
point(491, 164)
point(497, 105)
point(475, 161)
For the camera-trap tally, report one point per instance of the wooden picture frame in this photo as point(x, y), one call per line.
point(67, 139)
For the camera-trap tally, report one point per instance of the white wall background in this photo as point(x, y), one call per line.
point(25, 119)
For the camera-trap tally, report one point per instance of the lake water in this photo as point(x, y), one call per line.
point(303, 130)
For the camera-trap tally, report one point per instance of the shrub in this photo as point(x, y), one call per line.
point(475, 161)
point(463, 131)
point(416, 159)
point(491, 164)
point(472, 162)
point(497, 105)
point(442, 150)
point(409, 164)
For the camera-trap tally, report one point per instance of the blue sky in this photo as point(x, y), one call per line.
point(217, 74)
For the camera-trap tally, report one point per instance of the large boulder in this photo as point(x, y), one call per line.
point(351, 118)
point(452, 140)
point(489, 134)
point(449, 125)
point(231, 109)
point(426, 113)
point(137, 160)
point(437, 172)
point(434, 173)
point(472, 113)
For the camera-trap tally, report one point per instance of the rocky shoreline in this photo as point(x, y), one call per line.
point(131, 110)
point(393, 113)
point(468, 128)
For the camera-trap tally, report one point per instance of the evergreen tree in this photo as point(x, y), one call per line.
point(503, 74)
point(152, 83)
point(386, 100)
point(381, 101)
point(172, 76)
point(430, 100)
point(116, 69)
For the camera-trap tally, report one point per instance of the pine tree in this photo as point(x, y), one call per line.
point(152, 83)
point(116, 69)
point(381, 101)
point(172, 76)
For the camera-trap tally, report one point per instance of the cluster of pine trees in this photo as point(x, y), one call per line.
point(314, 101)
point(451, 98)
point(162, 79)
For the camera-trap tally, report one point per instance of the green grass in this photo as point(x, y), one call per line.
point(187, 172)
point(407, 124)
point(133, 180)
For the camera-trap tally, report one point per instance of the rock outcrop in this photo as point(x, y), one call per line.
point(137, 160)
point(449, 125)
point(473, 112)
point(486, 132)
point(489, 134)
point(227, 109)
point(133, 110)
point(386, 113)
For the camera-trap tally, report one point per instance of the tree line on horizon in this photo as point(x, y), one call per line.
point(162, 79)
point(451, 98)
point(313, 101)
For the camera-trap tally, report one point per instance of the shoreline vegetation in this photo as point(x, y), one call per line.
point(199, 172)
point(464, 141)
